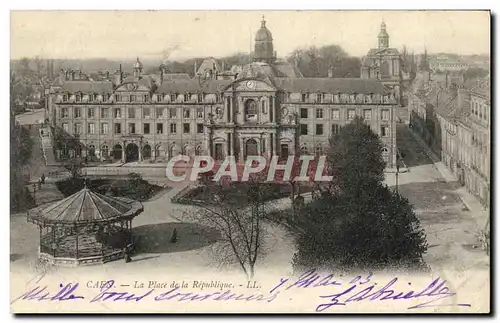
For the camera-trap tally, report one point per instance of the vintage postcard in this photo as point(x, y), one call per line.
point(250, 162)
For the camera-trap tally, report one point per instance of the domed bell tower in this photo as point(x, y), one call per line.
point(264, 51)
point(383, 37)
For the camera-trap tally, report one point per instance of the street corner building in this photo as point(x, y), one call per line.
point(263, 108)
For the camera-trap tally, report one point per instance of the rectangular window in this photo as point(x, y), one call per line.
point(118, 113)
point(303, 129)
point(78, 129)
point(186, 113)
point(303, 113)
point(91, 128)
point(131, 112)
point(199, 113)
point(147, 112)
point(104, 128)
point(64, 112)
point(173, 128)
point(384, 131)
point(335, 114)
point(159, 97)
point(320, 97)
point(319, 129)
point(319, 114)
point(199, 128)
point(78, 98)
point(367, 114)
point(65, 98)
point(131, 128)
point(173, 113)
point(304, 97)
point(351, 114)
point(78, 113)
point(385, 114)
point(335, 129)
point(173, 97)
point(104, 112)
point(185, 128)
point(118, 128)
point(132, 98)
point(146, 128)
point(159, 128)
point(159, 112)
point(90, 113)
point(65, 127)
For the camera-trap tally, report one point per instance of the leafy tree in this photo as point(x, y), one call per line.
point(355, 158)
point(362, 224)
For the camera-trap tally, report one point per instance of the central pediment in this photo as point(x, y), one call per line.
point(251, 85)
point(133, 87)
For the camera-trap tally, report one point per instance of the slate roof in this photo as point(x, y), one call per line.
point(98, 87)
point(330, 85)
point(85, 207)
point(192, 86)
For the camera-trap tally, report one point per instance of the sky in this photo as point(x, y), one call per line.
point(185, 34)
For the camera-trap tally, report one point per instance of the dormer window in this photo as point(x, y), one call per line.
point(320, 97)
point(159, 98)
point(78, 97)
point(304, 97)
point(173, 97)
point(65, 98)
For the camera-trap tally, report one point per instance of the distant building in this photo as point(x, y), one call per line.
point(263, 108)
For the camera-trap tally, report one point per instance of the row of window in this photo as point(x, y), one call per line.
point(351, 114)
point(136, 97)
point(341, 98)
point(132, 112)
point(147, 129)
point(480, 110)
point(319, 131)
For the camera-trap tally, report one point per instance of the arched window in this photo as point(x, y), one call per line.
point(385, 150)
point(303, 150)
point(146, 151)
point(319, 150)
point(251, 110)
point(198, 150)
point(117, 151)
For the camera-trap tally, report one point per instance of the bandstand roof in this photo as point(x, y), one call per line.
point(85, 207)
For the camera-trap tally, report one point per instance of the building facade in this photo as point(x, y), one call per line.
point(267, 109)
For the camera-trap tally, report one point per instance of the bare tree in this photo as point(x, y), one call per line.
point(239, 219)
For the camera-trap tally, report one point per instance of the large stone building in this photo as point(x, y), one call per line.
point(263, 108)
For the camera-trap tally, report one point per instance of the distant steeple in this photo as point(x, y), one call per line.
point(383, 36)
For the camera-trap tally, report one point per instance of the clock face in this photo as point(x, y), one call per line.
point(131, 86)
point(251, 84)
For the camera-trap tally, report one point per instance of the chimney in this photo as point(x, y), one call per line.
point(330, 72)
point(195, 68)
point(72, 77)
point(162, 71)
point(119, 76)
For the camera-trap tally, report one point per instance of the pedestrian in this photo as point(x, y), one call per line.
point(127, 256)
point(43, 178)
point(39, 184)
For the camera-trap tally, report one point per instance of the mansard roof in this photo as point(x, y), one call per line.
point(330, 85)
point(192, 86)
point(98, 87)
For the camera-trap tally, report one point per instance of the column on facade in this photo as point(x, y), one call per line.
point(242, 149)
point(272, 106)
point(259, 146)
point(268, 146)
point(207, 141)
point(241, 114)
point(232, 143)
point(275, 144)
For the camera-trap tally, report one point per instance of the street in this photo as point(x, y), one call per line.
point(450, 227)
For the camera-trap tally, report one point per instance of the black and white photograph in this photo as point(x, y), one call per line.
point(250, 161)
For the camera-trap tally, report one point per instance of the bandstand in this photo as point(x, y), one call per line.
point(85, 228)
